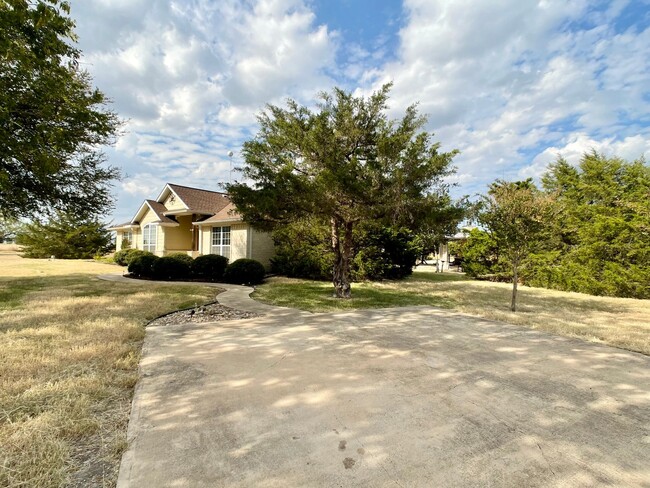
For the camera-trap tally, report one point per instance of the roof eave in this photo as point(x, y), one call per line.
point(220, 221)
point(120, 227)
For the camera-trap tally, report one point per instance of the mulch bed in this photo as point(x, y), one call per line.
point(213, 312)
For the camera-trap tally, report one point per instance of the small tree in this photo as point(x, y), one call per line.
point(516, 214)
point(65, 237)
point(345, 163)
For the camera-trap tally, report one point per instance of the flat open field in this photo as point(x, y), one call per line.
point(620, 322)
point(69, 352)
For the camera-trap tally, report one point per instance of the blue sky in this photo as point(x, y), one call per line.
point(512, 84)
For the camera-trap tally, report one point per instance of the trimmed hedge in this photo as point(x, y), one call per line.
point(125, 256)
point(180, 266)
point(172, 267)
point(142, 266)
point(181, 256)
point(209, 267)
point(244, 272)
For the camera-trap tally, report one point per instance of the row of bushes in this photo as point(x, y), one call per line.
point(179, 266)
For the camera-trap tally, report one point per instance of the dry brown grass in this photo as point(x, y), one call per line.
point(68, 364)
point(9, 248)
point(620, 322)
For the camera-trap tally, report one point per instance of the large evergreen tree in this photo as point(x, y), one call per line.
point(343, 163)
point(52, 119)
point(602, 243)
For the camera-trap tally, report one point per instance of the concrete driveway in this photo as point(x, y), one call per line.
point(411, 397)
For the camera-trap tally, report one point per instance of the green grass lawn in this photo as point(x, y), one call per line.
point(621, 322)
point(69, 353)
point(317, 296)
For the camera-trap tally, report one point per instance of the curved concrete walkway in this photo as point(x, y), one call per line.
point(235, 296)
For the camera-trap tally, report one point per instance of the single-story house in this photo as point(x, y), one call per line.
point(195, 222)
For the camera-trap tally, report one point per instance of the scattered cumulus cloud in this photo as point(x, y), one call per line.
point(511, 83)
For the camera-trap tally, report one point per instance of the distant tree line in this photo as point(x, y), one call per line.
point(586, 230)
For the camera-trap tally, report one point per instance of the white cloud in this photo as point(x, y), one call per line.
point(190, 77)
point(502, 79)
point(630, 148)
point(510, 83)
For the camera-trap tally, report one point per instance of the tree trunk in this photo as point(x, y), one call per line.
point(342, 248)
point(515, 278)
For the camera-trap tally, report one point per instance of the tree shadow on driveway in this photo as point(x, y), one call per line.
point(400, 397)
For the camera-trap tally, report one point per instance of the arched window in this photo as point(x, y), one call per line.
point(149, 234)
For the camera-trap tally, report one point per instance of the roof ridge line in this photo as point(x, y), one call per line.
point(197, 189)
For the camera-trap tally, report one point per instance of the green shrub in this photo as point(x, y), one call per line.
point(181, 256)
point(171, 268)
point(142, 266)
point(125, 256)
point(120, 257)
point(383, 253)
point(307, 263)
point(480, 255)
point(303, 250)
point(244, 272)
point(209, 267)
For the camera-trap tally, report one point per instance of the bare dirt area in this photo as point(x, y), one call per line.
point(405, 397)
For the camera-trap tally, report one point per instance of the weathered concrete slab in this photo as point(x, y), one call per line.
point(413, 397)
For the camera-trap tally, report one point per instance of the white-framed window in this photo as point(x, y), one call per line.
point(221, 241)
point(149, 235)
point(127, 237)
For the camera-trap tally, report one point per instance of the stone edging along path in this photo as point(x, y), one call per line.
point(235, 296)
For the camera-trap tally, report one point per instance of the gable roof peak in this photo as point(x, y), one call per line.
point(196, 200)
point(185, 187)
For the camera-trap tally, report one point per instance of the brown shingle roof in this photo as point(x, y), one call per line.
point(201, 201)
point(227, 213)
point(158, 208)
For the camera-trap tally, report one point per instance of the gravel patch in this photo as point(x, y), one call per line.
point(205, 313)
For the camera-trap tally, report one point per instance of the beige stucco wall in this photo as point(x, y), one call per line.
point(179, 238)
point(176, 205)
point(118, 240)
point(260, 247)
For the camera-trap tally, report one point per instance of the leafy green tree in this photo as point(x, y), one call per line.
point(52, 119)
point(603, 230)
point(342, 164)
point(479, 253)
point(65, 236)
point(516, 214)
